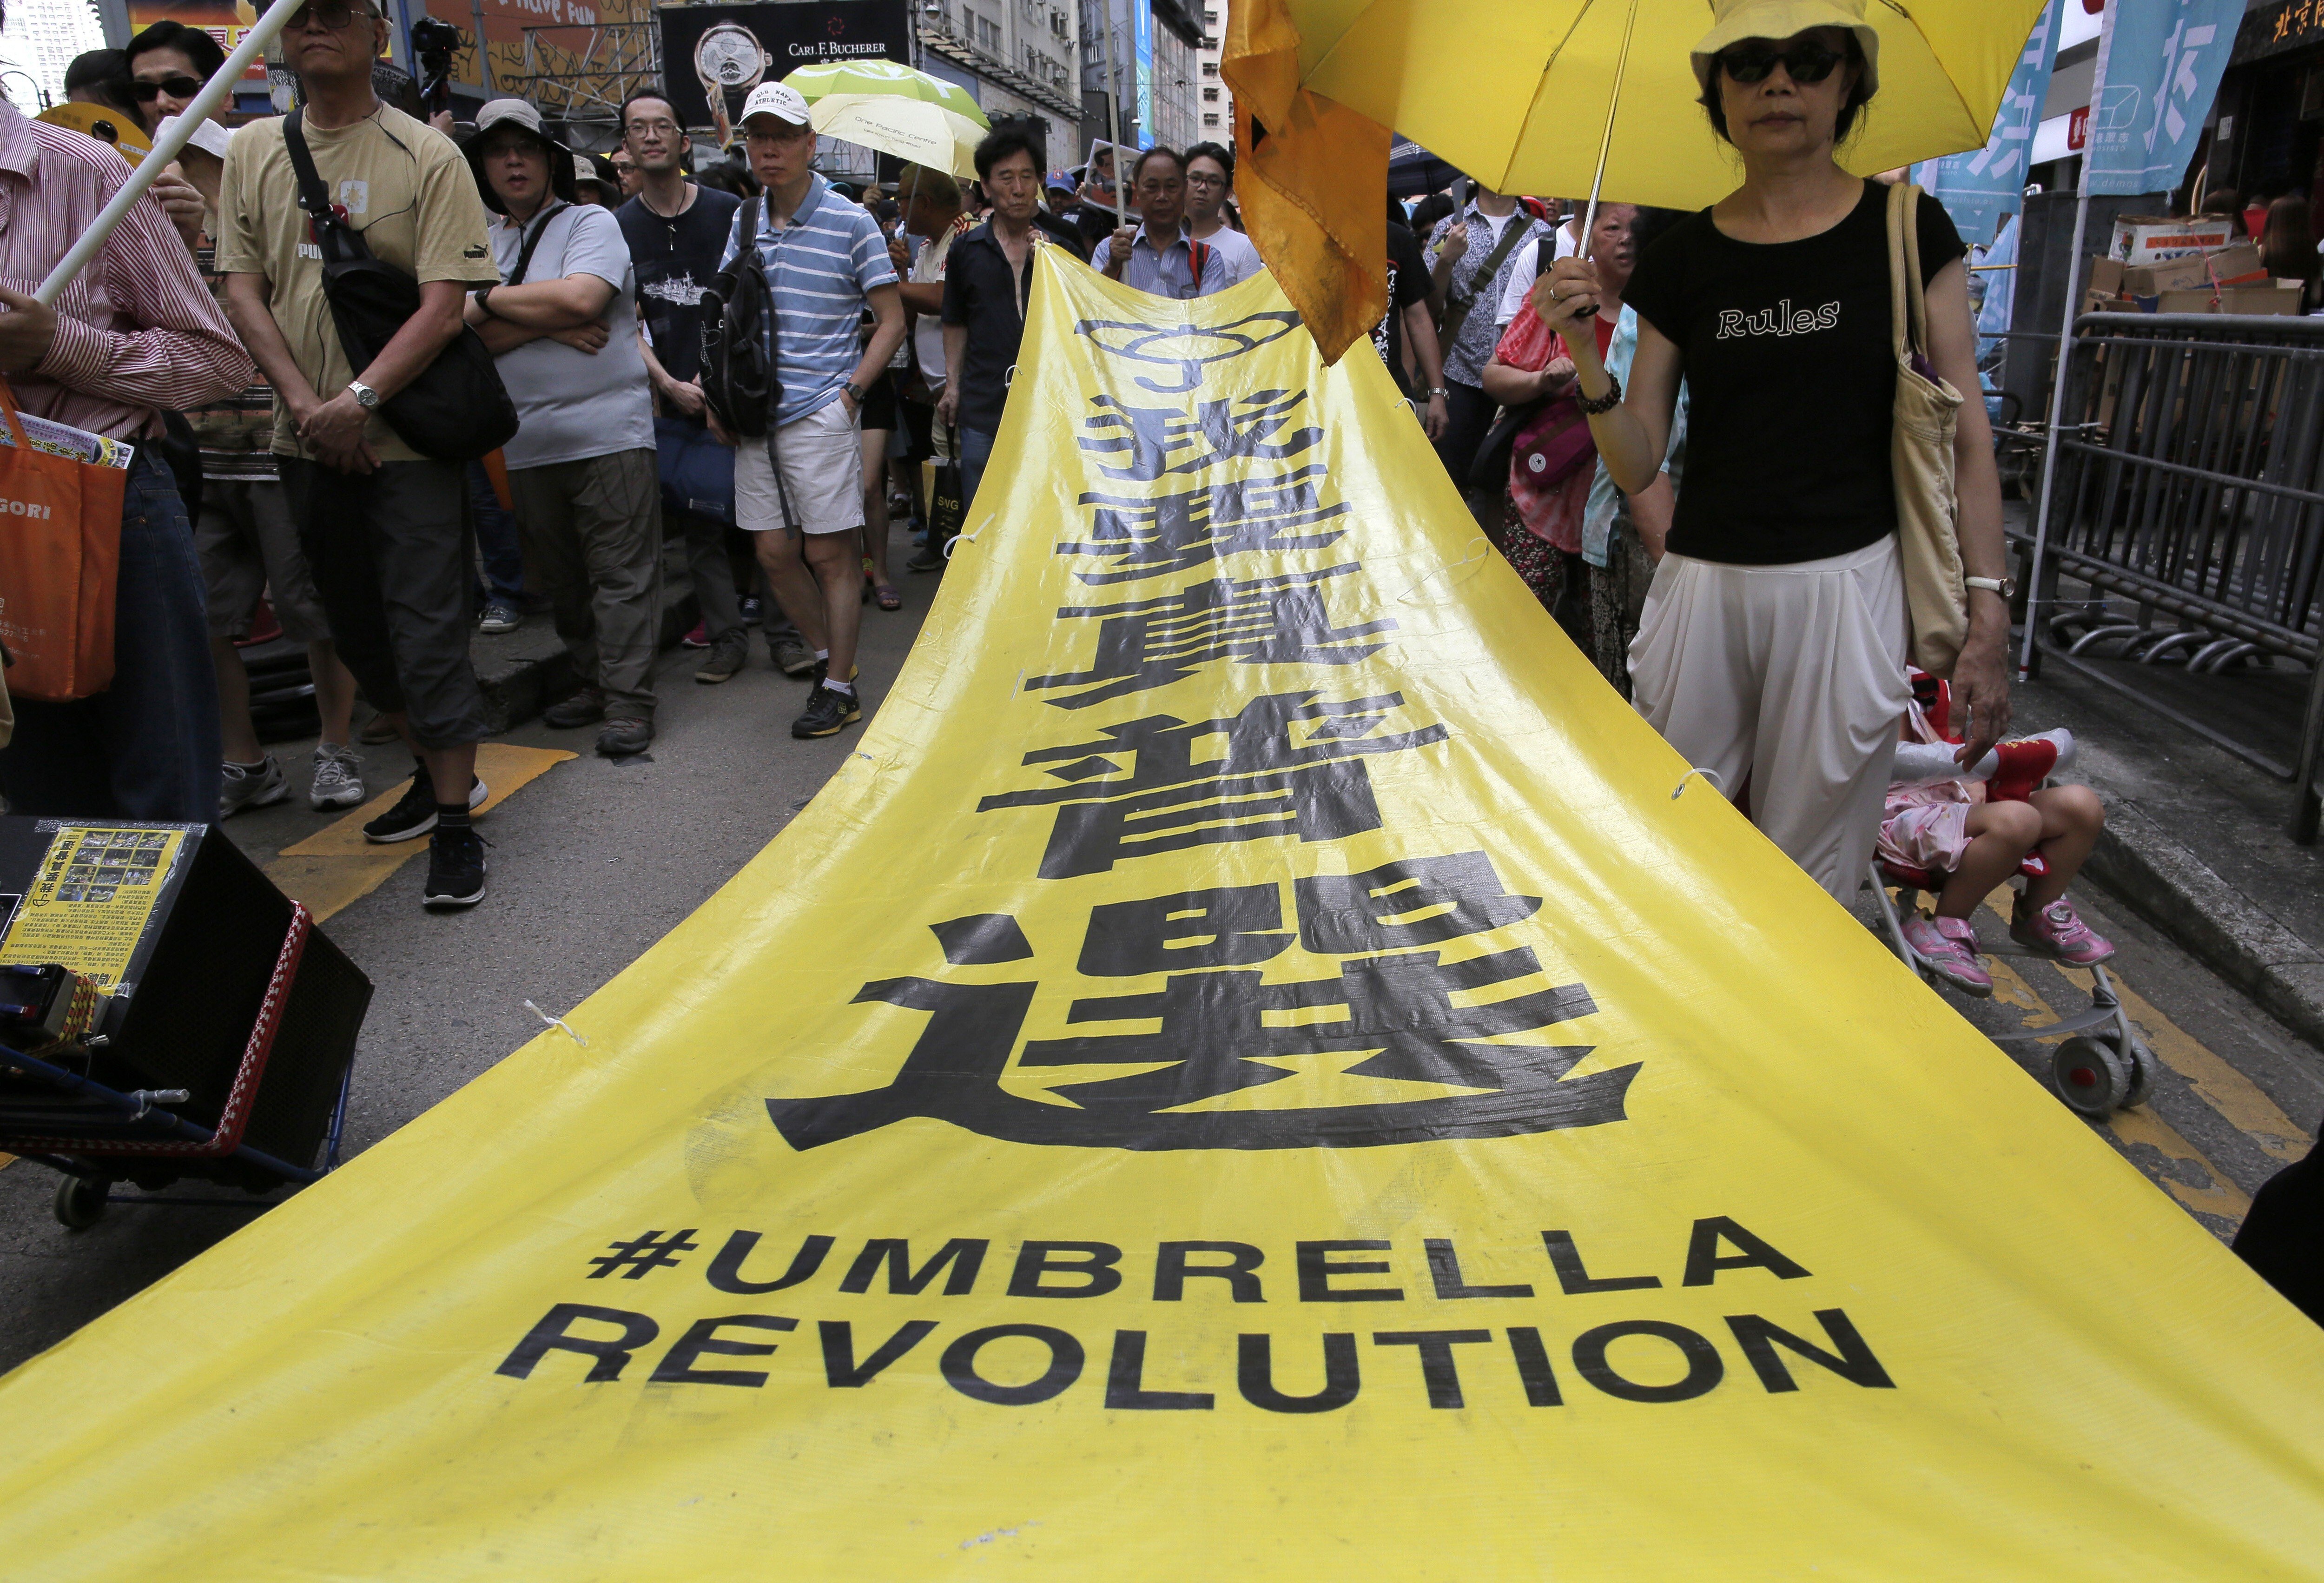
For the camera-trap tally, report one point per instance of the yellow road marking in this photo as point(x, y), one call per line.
point(2223, 1197)
point(336, 866)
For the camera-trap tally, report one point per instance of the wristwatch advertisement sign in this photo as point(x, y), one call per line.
point(715, 55)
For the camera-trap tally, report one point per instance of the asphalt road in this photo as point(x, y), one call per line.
point(594, 860)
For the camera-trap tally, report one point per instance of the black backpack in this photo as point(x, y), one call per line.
point(455, 409)
point(738, 341)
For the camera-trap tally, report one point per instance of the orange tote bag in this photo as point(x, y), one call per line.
point(60, 561)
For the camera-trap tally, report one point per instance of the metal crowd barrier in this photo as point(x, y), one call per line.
point(2189, 482)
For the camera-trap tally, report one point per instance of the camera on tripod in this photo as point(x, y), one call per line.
point(434, 43)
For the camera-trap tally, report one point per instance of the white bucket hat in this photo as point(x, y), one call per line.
point(1774, 20)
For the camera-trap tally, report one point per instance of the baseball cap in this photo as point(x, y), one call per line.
point(780, 100)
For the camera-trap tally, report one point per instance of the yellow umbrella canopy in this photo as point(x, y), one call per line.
point(1516, 93)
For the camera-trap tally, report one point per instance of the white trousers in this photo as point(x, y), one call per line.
point(1792, 677)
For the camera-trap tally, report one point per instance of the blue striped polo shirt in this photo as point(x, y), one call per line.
point(821, 265)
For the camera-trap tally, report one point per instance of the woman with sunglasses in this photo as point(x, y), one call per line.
point(168, 64)
point(1771, 648)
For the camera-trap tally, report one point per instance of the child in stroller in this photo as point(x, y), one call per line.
point(1962, 831)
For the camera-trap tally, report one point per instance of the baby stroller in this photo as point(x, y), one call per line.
point(2100, 1066)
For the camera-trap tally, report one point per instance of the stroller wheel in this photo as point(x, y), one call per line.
point(80, 1202)
point(2141, 1071)
point(2093, 1076)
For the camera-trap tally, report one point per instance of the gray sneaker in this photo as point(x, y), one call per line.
point(792, 657)
point(259, 785)
point(338, 778)
point(729, 652)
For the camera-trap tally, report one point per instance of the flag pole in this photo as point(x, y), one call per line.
point(1113, 120)
point(1605, 145)
point(2065, 352)
point(271, 22)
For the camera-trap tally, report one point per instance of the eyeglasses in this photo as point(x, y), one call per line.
point(334, 15)
point(177, 87)
point(1194, 181)
point(1804, 62)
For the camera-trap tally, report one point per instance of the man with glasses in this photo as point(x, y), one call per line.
point(134, 332)
point(581, 468)
point(381, 525)
point(1210, 182)
point(826, 263)
point(676, 229)
point(1157, 255)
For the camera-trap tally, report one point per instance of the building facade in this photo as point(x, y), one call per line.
point(1156, 57)
point(41, 40)
point(1214, 102)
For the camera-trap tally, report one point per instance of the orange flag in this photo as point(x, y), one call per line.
point(1311, 176)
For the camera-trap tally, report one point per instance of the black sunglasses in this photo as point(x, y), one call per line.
point(334, 15)
point(1804, 62)
point(177, 87)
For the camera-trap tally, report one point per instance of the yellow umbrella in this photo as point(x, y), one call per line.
point(1527, 95)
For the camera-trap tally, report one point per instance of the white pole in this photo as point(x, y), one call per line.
point(253, 44)
point(2065, 353)
point(1113, 121)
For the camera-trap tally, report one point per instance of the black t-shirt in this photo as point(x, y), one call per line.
point(1407, 282)
point(1791, 381)
point(675, 259)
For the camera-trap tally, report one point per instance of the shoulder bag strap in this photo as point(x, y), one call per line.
point(1456, 315)
point(532, 240)
point(1907, 300)
point(313, 196)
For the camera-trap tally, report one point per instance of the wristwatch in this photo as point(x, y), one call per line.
point(854, 391)
point(481, 294)
point(1438, 390)
point(365, 397)
point(2006, 586)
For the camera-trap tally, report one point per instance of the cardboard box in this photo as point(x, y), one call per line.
point(2105, 277)
point(2277, 297)
point(2268, 299)
point(2229, 266)
point(2152, 238)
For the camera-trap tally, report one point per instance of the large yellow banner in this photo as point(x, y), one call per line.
point(1249, 1071)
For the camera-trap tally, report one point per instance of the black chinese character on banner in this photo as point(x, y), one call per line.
point(1149, 442)
point(1163, 534)
point(1185, 349)
point(1267, 621)
point(1292, 766)
point(1219, 1027)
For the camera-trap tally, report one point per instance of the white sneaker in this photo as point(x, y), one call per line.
point(338, 777)
point(258, 785)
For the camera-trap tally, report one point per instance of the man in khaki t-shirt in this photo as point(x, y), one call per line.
point(381, 524)
point(406, 188)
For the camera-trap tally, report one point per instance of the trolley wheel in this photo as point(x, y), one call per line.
point(2092, 1075)
point(80, 1202)
point(2142, 1072)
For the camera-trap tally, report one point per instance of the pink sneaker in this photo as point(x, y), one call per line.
point(2058, 930)
point(697, 638)
point(1950, 948)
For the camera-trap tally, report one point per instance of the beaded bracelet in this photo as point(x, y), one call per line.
point(1606, 402)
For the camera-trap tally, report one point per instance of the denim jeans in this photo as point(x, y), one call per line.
point(975, 451)
point(147, 746)
point(497, 542)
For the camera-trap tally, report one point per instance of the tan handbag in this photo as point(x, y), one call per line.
point(1921, 454)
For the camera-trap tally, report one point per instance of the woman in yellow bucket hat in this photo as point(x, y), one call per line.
point(1773, 646)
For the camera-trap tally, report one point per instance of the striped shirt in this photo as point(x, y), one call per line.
point(136, 330)
point(822, 264)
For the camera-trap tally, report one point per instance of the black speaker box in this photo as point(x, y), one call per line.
point(208, 930)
